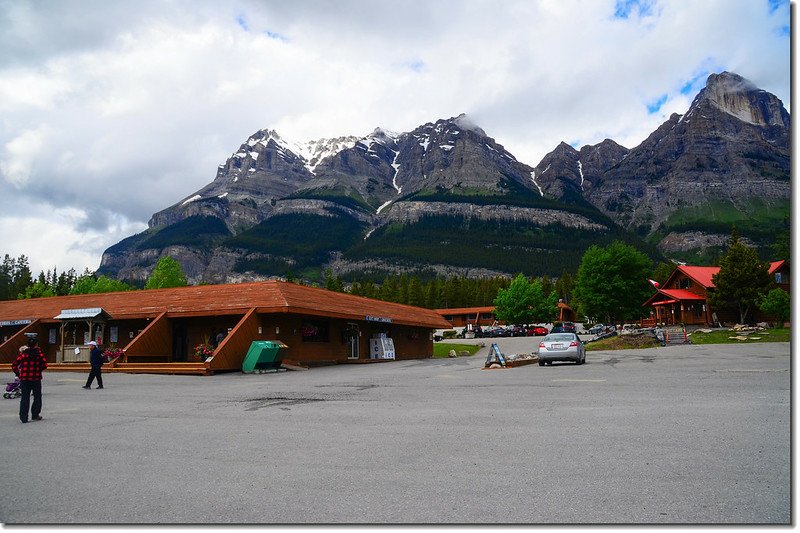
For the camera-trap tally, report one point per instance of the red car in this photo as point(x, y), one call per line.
point(534, 331)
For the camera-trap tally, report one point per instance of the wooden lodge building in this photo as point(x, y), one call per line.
point(461, 316)
point(683, 298)
point(484, 316)
point(158, 330)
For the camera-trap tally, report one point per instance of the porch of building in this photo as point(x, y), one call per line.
point(675, 312)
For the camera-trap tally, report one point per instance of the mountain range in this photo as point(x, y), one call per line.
point(447, 199)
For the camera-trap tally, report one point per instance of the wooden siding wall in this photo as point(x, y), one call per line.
point(154, 340)
point(286, 328)
point(412, 343)
point(231, 351)
point(694, 287)
point(9, 350)
point(461, 320)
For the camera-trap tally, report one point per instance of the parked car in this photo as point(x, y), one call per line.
point(570, 327)
point(496, 331)
point(597, 329)
point(471, 331)
point(561, 347)
point(519, 331)
point(535, 331)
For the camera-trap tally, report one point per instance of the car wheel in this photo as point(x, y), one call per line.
point(541, 363)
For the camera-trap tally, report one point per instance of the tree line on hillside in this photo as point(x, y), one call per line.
point(444, 293)
point(17, 282)
point(610, 286)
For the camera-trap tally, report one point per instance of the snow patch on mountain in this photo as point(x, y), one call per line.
point(192, 199)
point(533, 178)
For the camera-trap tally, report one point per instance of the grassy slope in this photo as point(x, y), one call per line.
point(632, 342)
point(724, 337)
point(442, 349)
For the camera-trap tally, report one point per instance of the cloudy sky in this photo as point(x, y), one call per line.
point(111, 111)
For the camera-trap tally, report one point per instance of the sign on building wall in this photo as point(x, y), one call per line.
point(23, 322)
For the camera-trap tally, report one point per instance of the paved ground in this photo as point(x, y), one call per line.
point(694, 434)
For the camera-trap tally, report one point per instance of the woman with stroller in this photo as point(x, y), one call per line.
point(29, 366)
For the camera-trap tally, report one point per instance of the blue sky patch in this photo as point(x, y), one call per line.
point(701, 73)
point(277, 36)
point(417, 65)
point(655, 105)
point(241, 20)
point(623, 9)
point(774, 5)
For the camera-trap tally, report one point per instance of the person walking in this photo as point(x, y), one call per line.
point(29, 366)
point(96, 360)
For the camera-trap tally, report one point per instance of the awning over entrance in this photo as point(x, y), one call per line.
point(90, 313)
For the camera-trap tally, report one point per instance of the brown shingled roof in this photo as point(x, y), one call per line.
point(204, 300)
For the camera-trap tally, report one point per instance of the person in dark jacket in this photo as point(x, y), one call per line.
point(96, 360)
point(29, 366)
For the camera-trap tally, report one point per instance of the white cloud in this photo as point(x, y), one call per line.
point(120, 109)
point(20, 155)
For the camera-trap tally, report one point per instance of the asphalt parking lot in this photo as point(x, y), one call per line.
point(678, 435)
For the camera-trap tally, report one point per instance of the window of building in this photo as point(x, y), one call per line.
point(683, 283)
point(314, 331)
point(778, 277)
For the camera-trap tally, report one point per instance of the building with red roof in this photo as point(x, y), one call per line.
point(683, 298)
point(159, 330)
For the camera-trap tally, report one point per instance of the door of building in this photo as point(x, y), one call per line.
point(354, 339)
point(179, 342)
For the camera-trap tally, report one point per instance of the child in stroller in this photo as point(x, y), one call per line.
point(13, 389)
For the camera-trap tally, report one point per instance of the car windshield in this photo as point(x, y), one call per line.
point(560, 337)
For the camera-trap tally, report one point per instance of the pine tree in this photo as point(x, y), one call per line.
point(416, 295)
point(22, 276)
point(742, 280)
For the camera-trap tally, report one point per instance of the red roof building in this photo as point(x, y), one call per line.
point(683, 298)
point(160, 329)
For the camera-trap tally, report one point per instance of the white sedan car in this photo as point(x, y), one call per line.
point(561, 347)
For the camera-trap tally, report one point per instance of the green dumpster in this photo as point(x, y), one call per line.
point(263, 355)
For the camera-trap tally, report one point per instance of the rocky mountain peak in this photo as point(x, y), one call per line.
point(315, 151)
point(737, 96)
point(463, 121)
point(277, 206)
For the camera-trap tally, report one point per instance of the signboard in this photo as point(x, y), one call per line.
point(23, 322)
point(383, 319)
point(381, 348)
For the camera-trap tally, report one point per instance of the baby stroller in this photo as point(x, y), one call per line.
point(13, 389)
